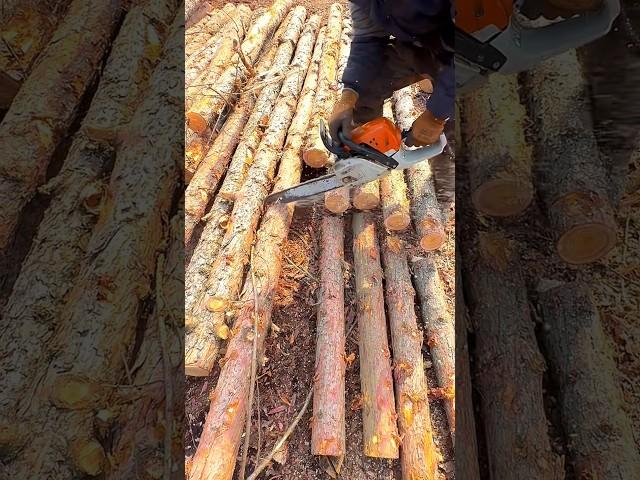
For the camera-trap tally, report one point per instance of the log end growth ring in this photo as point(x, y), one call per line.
point(315, 157)
point(586, 243)
point(195, 371)
point(502, 197)
point(196, 122)
point(396, 222)
point(365, 201)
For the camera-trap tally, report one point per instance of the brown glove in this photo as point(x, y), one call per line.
point(426, 129)
point(342, 115)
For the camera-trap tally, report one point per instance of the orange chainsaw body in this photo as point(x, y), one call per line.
point(380, 133)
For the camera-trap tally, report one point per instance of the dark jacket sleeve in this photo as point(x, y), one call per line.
point(442, 101)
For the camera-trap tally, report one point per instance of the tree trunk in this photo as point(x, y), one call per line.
point(78, 194)
point(101, 311)
point(220, 440)
point(212, 99)
point(243, 123)
point(327, 428)
point(509, 367)
point(25, 33)
point(395, 204)
point(378, 414)
point(425, 209)
point(315, 154)
point(199, 38)
point(599, 433)
point(337, 201)
point(367, 196)
point(227, 271)
point(499, 158)
point(570, 176)
point(418, 455)
point(440, 332)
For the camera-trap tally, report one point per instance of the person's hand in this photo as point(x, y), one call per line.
point(342, 115)
point(426, 129)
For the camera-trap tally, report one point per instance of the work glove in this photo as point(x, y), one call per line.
point(342, 115)
point(426, 129)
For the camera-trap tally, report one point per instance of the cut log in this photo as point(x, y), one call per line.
point(213, 98)
point(78, 194)
point(570, 176)
point(315, 154)
point(45, 106)
point(327, 428)
point(509, 366)
point(599, 433)
point(425, 209)
point(220, 440)
point(205, 36)
point(378, 410)
point(337, 201)
point(227, 270)
point(418, 456)
point(100, 311)
point(244, 122)
point(440, 333)
point(499, 159)
point(395, 204)
point(367, 196)
point(25, 33)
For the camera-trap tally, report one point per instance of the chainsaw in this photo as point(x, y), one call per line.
point(374, 149)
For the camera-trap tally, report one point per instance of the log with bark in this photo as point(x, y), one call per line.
point(599, 433)
point(243, 123)
point(509, 366)
point(378, 409)
point(44, 108)
point(498, 156)
point(337, 201)
point(327, 428)
point(212, 99)
point(395, 204)
point(569, 173)
point(25, 33)
point(198, 38)
point(440, 333)
point(425, 209)
point(418, 454)
point(101, 311)
point(220, 440)
point(227, 270)
point(194, 10)
point(315, 154)
point(78, 194)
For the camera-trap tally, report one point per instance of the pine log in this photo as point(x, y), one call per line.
point(45, 106)
point(25, 33)
point(337, 201)
point(327, 428)
point(425, 209)
point(315, 154)
point(227, 270)
point(378, 412)
point(191, 8)
point(600, 436)
point(101, 311)
point(77, 197)
point(570, 175)
point(499, 159)
point(395, 204)
point(509, 367)
point(440, 333)
point(418, 454)
point(203, 37)
point(367, 196)
point(220, 438)
point(213, 98)
point(243, 123)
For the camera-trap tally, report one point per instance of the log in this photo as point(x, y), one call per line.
point(45, 106)
point(418, 456)
point(26, 30)
point(220, 440)
point(227, 271)
point(425, 209)
point(100, 311)
point(204, 37)
point(378, 412)
point(213, 98)
point(509, 366)
point(77, 196)
point(194, 10)
point(315, 154)
point(395, 204)
point(599, 433)
point(367, 196)
point(439, 329)
point(244, 122)
point(499, 158)
point(337, 201)
point(570, 176)
point(327, 428)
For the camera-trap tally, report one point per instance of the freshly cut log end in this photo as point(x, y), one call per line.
point(316, 157)
point(195, 371)
point(397, 221)
point(367, 196)
point(337, 201)
point(502, 197)
point(196, 122)
point(88, 456)
point(432, 234)
point(199, 363)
